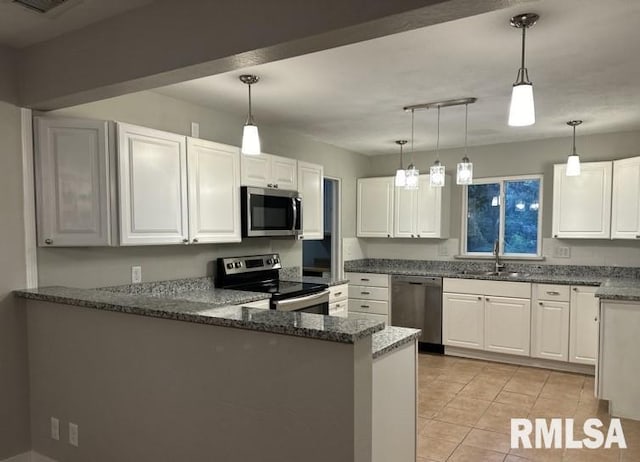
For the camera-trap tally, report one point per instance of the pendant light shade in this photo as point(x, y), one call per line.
point(250, 135)
point(401, 175)
point(437, 170)
point(412, 174)
point(573, 161)
point(522, 109)
point(464, 175)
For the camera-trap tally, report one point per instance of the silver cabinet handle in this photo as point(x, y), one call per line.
point(412, 235)
point(195, 240)
point(555, 235)
point(364, 306)
point(270, 185)
point(418, 235)
point(595, 319)
point(337, 294)
point(365, 293)
point(540, 303)
point(575, 289)
point(364, 279)
point(637, 236)
point(488, 299)
point(48, 241)
point(479, 298)
point(388, 235)
point(275, 185)
point(185, 241)
point(553, 292)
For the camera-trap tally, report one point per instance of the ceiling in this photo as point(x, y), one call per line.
point(21, 27)
point(580, 56)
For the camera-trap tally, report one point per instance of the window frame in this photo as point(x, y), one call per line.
point(501, 180)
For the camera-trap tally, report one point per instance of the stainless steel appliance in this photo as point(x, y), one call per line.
point(260, 273)
point(270, 212)
point(416, 302)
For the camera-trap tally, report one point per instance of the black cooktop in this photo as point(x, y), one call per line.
point(283, 289)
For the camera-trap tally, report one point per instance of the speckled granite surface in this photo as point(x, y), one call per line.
point(211, 307)
point(549, 274)
point(391, 338)
point(620, 289)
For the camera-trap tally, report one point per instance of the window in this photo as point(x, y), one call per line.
point(507, 210)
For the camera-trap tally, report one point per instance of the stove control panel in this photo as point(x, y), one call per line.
point(238, 265)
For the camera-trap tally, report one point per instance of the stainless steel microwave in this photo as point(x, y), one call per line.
point(270, 212)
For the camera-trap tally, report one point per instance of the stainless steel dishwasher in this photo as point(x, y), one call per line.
point(416, 302)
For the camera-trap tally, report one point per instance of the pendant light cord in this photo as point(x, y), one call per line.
point(466, 128)
point(524, 35)
point(250, 117)
point(438, 140)
point(574, 141)
point(412, 132)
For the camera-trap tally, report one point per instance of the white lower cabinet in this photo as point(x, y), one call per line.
point(463, 320)
point(583, 337)
point(550, 330)
point(507, 325)
point(338, 302)
point(369, 296)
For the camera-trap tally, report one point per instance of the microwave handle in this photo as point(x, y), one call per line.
point(294, 206)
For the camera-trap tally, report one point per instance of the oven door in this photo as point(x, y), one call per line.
point(269, 212)
point(314, 303)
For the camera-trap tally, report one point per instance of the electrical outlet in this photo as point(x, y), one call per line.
point(195, 130)
point(55, 428)
point(136, 274)
point(562, 252)
point(73, 434)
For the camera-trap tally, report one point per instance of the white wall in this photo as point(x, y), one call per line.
point(526, 157)
point(93, 267)
point(14, 385)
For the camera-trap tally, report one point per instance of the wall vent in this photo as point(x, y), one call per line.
point(41, 6)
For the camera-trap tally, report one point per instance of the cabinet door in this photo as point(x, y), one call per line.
point(311, 187)
point(375, 207)
point(550, 330)
point(73, 160)
point(625, 209)
point(152, 175)
point(582, 204)
point(256, 170)
point(432, 211)
point(214, 192)
point(463, 320)
point(404, 211)
point(507, 325)
point(284, 173)
point(583, 337)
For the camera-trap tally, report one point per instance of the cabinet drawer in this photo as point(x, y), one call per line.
point(487, 287)
point(337, 293)
point(369, 279)
point(552, 292)
point(368, 293)
point(368, 306)
point(369, 316)
point(339, 309)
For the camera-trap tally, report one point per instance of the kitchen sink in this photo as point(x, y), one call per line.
point(502, 274)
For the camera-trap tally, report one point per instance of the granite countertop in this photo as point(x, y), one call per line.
point(391, 338)
point(318, 280)
point(620, 289)
point(198, 304)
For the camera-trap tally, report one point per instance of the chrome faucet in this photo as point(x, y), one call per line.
point(498, 267)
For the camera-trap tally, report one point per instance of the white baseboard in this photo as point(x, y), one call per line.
point(30, 456)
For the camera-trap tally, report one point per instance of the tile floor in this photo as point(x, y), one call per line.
point(465, 407)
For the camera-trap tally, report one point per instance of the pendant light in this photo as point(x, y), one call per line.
point(401, 175)
point(573, 161)
point(412, 174)
point(250, 136)
point(465, 168)
point(436, 172)
point(522, 110)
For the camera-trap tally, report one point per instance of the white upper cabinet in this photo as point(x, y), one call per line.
point(582, 204)
point(374, 216)
point(404, 212)
point(311, 188)
point(73, 158)
point(583, 338)
point(433, 209)
point(269, 171)
point(625, 210)
point(152, 176)
point(214, 192)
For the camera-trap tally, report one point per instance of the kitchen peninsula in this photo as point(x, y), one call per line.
point(181, 370)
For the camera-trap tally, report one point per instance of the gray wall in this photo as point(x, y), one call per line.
point(8, 79)
point(14, 388)
point(526, 157)
point(92, 267)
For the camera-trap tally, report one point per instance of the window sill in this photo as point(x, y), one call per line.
point(502, 258)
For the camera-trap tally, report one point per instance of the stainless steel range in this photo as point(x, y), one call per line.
point(260, 273)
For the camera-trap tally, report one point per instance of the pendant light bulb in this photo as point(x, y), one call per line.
point(250, 135)
point(401, 174)
point(412, 174)
point(573, 161)
point(464, 174)
point(522, 109)
point(436, 172)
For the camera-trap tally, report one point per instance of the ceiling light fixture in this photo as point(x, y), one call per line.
point(412, 174)
point(522, 110)
point(436, 172)
point(401, 175)
point(573, 161)
point(250, 136)
point(465, 168)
